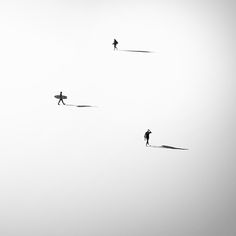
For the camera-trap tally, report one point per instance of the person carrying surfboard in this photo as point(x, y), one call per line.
point(115, 43)
point(146, 137)
point(61, 99)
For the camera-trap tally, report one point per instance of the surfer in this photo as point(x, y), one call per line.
point(61, 99)
point(146, 137)
point(115, 43)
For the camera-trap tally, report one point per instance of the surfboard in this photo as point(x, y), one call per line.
point(58, 97)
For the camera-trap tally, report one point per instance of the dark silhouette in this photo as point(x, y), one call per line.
point(115, 43)
point(61, 99)
point(168, 147)
point(137, 51)
point(146, 137)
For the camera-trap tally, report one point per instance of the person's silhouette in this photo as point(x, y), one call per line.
point(115, 43)
point(61, 99)
point(146, 137)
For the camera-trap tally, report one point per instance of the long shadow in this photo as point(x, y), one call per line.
point(168, 147)
point(79, 105)
point(137, 51)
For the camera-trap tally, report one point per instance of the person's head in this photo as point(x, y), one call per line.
point(60, 92)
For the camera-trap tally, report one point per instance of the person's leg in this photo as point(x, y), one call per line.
point(59, 101)
point(63, 102)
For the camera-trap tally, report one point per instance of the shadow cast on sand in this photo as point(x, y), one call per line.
point(79, 105)
point(167, 147)
point(137, 51)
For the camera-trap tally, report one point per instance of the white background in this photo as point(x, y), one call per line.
point(86, 171)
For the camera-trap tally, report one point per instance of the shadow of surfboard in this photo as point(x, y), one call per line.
point(142, 51)
point(168, 147)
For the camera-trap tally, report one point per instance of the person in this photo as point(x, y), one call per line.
point(61, 99)
point(146, 137)
point(115, 43)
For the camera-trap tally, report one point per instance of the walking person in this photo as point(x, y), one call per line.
point(146, 137)
point(115, 43)
point(61, 99)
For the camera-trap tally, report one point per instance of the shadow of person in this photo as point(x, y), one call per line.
point(167, 147)
point(72, 105)
point(142, 51)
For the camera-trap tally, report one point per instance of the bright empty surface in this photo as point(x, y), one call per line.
point(86, 171)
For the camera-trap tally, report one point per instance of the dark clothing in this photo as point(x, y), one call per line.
point(115, 43)
point(146, 137)
point(61, 99)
